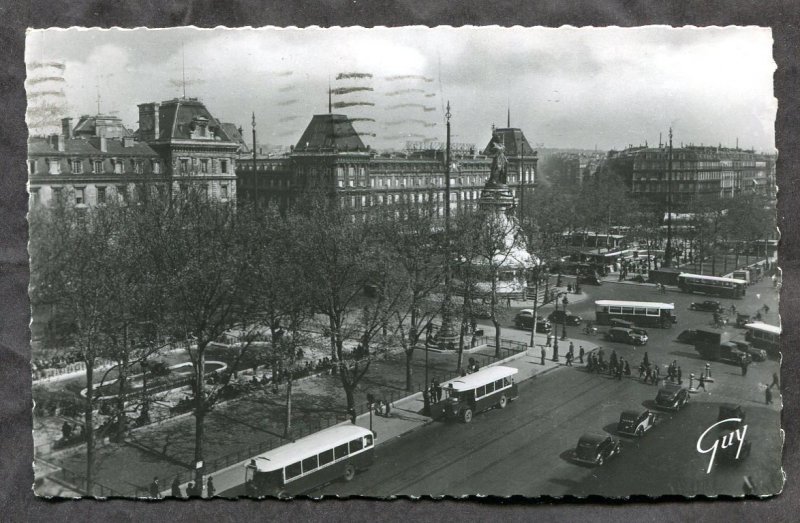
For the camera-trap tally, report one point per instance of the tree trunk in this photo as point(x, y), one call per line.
point(89, 426)
point(495, 322)
point(199, 412)
point(334, 339)
point(460, 361)
point(287, 427)
point(409, 373)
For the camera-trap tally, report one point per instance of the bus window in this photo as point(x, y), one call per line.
point(325, 457)
point(652, 312)
point(603, 309)
point(614, 310)
point(480, 391)
point(309, 464)
point(356, 445)
point(368, 440)
point(489, 388)
point(641, 311)
point(627, 310)
point(340, 451)
point(498, 385)
point(506, 383)
point(293, 470)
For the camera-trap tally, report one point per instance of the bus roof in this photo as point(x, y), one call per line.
point(711, 278)
point(482, 377)
point(313, 444)
point(766, 327)
point(650, 304)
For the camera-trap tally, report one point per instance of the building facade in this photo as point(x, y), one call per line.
point(101, 163)
point(697, 172)
point(330, 156)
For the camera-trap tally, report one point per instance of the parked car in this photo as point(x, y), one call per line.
point(625, 336)
point(688, 336)
point(754, 353)
point(731, 410)
point(590, 279)
point(636, 422)
point(728, 455)
point(672, 396)
point(707, 306)
point(524, 320)
point(597, 448)
point(561, 317)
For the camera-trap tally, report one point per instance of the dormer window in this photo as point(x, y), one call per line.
point(200, 127)
point(156, 166)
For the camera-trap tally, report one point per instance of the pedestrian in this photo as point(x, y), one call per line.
point(627, 368)
point(190, 490)
point(433, 390)
point(680, 376)
point(613, 359)
point(641, 370)
point(656, 373)
point(646, 360)
point(569, 359)
point(580, 354)
point(155, 490)
point(210, 490)
point(543, 353)
point(768, 394)
point(473, 325)
point(508, 302)
point(176, 488)
point(572, 349)
point(438, 394)
point(549, 340)
point(426, 398)
point(701, 384)
point(743, 363)
point(590, 363)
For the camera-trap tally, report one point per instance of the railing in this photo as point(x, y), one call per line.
point(78, 481)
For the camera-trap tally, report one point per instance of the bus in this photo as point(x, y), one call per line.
point(310, 462)
point(466, 395)
point(764, 336)
point(641, 313)
point(713, 285)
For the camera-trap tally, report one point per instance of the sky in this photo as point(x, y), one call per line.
point(603, 88)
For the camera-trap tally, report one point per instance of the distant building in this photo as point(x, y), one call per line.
point(100, 163)
point(330, 156)
point(698, 172)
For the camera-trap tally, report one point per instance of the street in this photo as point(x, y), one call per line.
point(526, 449)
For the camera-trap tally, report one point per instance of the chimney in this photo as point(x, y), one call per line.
point(149, 121)
point(103, 144)
point(66, 127)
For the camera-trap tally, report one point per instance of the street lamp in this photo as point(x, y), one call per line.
point(565, 301)
point(564, 327)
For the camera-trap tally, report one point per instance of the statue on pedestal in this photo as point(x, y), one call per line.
point(499, 162)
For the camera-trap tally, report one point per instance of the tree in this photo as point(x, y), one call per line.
point(74, 271)
point(204, 265)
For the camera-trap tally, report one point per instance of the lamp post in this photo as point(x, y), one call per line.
point(668, 249)
point(535, 302)
point(565, 301)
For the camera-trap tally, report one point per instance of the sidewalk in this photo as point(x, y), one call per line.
point(406, 414)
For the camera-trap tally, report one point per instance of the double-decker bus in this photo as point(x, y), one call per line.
point(466, 395)
point(641, 313)
point(764, 336)
point(714, 285)
point(310, 462)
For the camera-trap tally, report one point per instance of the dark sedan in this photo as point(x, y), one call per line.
point(688, 336)
point(597, 448)
point(524, 320)
point(707, 306)
point(672, 396)
point(562, 317)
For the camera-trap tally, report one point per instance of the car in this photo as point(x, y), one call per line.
point(590, 279)
point(754, 353)
point(596, 449)
point(625, 336)
point(688, 336)
point(731, 454)
point(524, 320)
point(707, 306)
point(742, 320)
point(636, 422)
point(561, 317)
point(672, 396)
point(731, 410)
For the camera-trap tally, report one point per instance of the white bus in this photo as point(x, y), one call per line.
point(715, 285)
point(466, 395)
point(310, 462)
point(764, 336)
point(641, 313)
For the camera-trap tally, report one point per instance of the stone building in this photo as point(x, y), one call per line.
point(330, 156)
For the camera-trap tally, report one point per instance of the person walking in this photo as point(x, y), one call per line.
point(580, 354)
point(549, 340)
point(176, 488)
point(543, 353)
point(438, 394)
point(210, 489)
point(627, 368)
point(569, 359)
point(701, 384)
point(768, 395)
point(656, 374)
point(155, 490)
point(190, 490)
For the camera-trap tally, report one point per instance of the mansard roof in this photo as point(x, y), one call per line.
point(179, 116)
point(514, 141)
point(328, 132)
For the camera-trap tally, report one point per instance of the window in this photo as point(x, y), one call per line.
point(356, 445)
point(56, 191)
point(223, 166)
point(138, 167)
point(627, 310)
point(368, 440)
point(340, 451)
point(223, 191)
point(498, 385)
point(97, 166)
point(53, 166)
point(117, 166)
point(480, 391)
point(122, 192)
point(325, 457)
point(204, 166)
point(34, 197)
point(79, 195)
point(155, 165)
point(31, 166)
point(293, 470)
point(309, 464)
point(184, 165)
point(489, 388)
point(652, 312)
point(101, 194)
